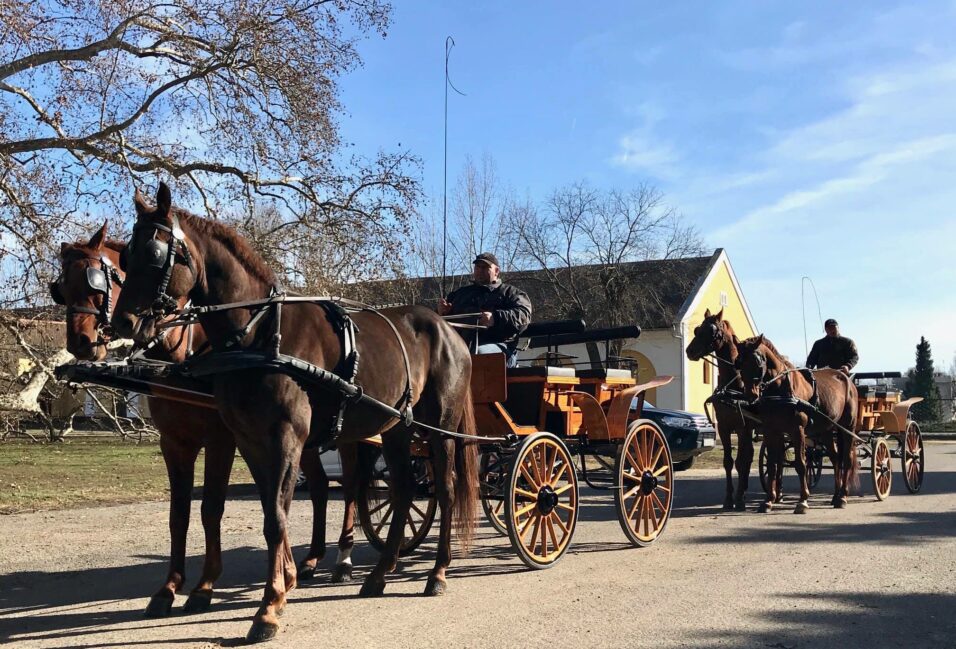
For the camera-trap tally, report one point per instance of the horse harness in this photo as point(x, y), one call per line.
point(98, 280)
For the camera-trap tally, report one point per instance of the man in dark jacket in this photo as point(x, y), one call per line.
point(833, 350)
point(504, 310)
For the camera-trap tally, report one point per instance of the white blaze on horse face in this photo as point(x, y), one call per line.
point(345, 556)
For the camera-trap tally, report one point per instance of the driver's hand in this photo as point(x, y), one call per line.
point(486, 319)
point(845, 369)
point(444, 306)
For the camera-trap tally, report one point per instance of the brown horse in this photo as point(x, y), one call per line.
point(89, 284)
point(716, 336)
point(409, 358)
point(795, 404)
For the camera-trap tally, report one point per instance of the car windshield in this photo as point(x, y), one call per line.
point(647, 404)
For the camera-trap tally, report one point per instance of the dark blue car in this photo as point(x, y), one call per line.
point(688, 434)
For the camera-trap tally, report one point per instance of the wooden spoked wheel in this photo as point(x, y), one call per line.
point(375, 507)
point(881, 469)
point(493, 475)
point(911, 455)
point(541, 504)
point(814, 458)
point(645, 483)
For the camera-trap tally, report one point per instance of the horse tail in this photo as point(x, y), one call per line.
point(466, 468)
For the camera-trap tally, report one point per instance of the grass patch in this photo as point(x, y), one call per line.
point(35, 476)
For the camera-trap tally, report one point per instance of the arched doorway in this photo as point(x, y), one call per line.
point(645, 371)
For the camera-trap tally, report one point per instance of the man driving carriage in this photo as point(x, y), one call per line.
point(505, 310)
point(833, 350)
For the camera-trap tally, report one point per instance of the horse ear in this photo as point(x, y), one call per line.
point(706, 314)
point(164, 200)
point(64, 246)
point(720, 314)
point(142, 209)
point(96, 241)
point(759, 340)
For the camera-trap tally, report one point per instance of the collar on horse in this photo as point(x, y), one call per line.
point(98, 280)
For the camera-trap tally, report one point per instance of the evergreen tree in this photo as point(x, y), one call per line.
point(920, 383)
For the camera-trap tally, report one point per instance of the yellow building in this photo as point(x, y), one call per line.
point(667, 320)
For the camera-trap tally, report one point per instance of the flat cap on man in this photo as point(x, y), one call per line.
point(831, 323)
point(486, 258)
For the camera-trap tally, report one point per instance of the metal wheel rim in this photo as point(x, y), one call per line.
point(644, 505)
point(541, 467)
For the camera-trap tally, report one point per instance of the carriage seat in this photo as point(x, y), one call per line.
point(604, 373)
point(877, 391)
point(541, 371)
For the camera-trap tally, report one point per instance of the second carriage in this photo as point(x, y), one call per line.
point(885, 432)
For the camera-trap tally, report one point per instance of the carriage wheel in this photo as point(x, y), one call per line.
point(881, 469)
point(375, 507)
point(762, 461)
point(541, 504)
point(911, 457)
point(645, 483)
point(492, 480)
point(814, 465)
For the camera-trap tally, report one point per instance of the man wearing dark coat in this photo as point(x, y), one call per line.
point(504, 310)
point(833, 350)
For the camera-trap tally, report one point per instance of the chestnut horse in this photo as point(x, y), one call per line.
point(716, 336)
point(795, 404)
point(89, 284)
point(410, 358)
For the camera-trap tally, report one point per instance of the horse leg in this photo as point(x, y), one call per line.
point(342, 571)
point(845, 454)
point(180, 461)
point(318, 482)
point(220, 454)
point(800, 464)
point(443, 465)
point(745, 458)
point(725, 440)
point(397, 452)
point(774, 459)
point(273, 460)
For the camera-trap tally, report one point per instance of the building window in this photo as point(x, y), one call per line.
point(723, 298)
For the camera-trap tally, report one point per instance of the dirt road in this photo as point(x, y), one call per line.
point(873, 575)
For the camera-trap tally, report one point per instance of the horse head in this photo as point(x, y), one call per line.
point(710, 336)
point(160, 269)
point(752, 365)
point(88, 285)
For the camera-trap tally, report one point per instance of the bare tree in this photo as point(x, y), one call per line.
point(582, 239)
point(235, 99)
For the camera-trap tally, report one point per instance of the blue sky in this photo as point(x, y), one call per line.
point(813, 139)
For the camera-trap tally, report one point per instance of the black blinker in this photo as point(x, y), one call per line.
point(56, 293)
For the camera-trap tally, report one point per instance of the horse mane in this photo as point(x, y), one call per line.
point(776, 352)
point(227, 236)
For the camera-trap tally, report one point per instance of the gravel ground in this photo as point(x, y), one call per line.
point(873, 575)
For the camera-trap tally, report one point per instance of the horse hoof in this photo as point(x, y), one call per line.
point(740, 506)
point(199, 602)
point(342, 573)
point(435, 587)
point(728, 506)
point(765, 507)
point(372, 588)
point(840, 504)
point(159, 606)
point(261, 632)
point(801, 508)
point(306, 572)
